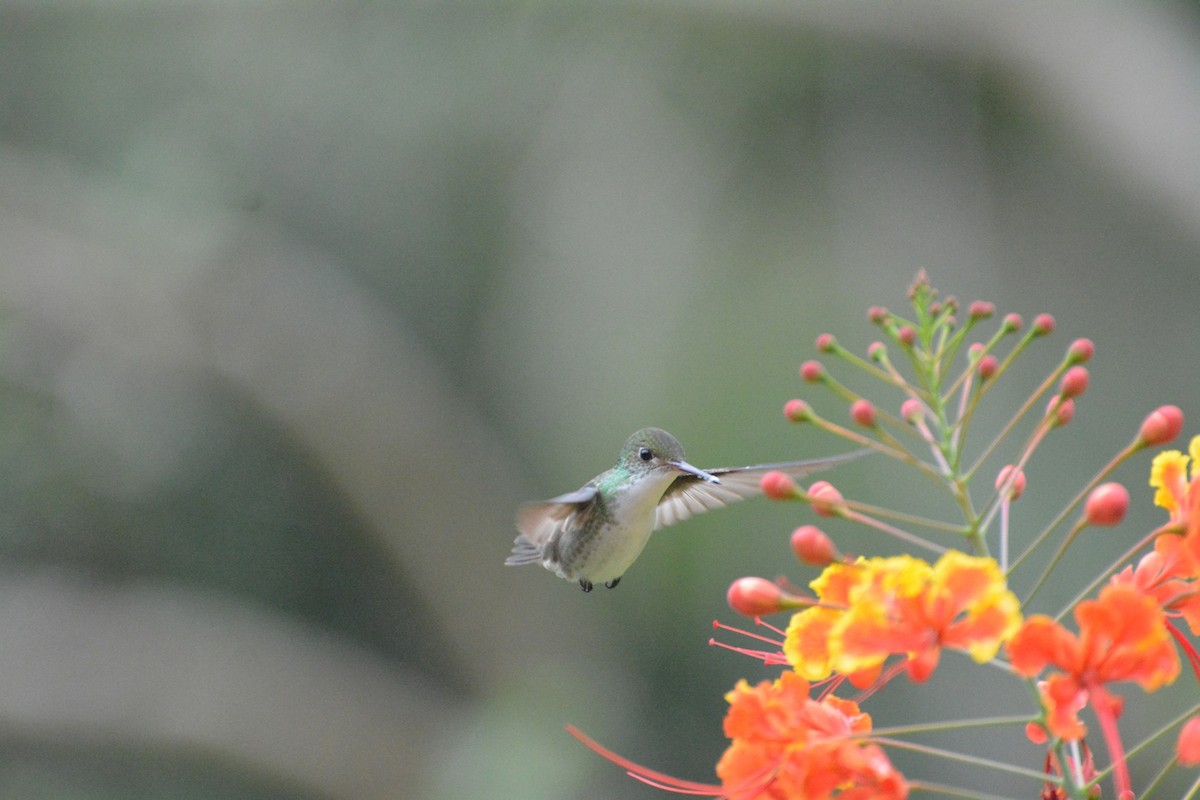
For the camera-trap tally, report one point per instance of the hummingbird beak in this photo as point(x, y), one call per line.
point(683, 466)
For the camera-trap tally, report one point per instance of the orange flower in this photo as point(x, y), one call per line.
point(1167, 575)
point(877, 607)
point(1123, 637)
point(1178, 491)
point(788, 745)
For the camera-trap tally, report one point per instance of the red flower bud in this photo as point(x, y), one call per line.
point(907, 335)
point(1081, 351)
point(812, 371)
point(1062, 410)
point(877, 314)
point(863, 412)
point(1018, 481)
point(826, 343)
point(1043, 325)
point(1012, 322)
point(981, 309)
point(796, 410)
point(1188, 748)
point(824, 497)
point(1162, 425)
point(911, 410)
point(755, 597)
point(1107, 504)
point(987, 367)
point(813, 546)
point(778, 485)
point(1074, 382)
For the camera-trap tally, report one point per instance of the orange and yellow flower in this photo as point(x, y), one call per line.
point(1178, 490)
point(874, 608)
point(788, 745)
point(1122, 636)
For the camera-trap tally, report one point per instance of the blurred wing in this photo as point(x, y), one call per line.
point(541, 522)
point(689, 495)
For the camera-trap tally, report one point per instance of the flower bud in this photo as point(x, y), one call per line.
point(812, 371)
point(911, 410)
point(813, 546)
point(1188, 748)
point(1043, 325)
point(755, 597)
point(863, 412)
point(1162, 425)
point(975, 351)
point(1074, 382)
point(826, 343)
point(796, 410)
point(1062, 410)
point(824, 497)
point(877, 351)
point(1081, 351)
point(877, 314)
point(987, 367)
point(1012, 323)
point(907, 335)
point(1017, 488)
point(1107, 504)
point(981, 309)
point(778, 485)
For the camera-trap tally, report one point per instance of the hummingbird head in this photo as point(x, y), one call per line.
point(655, 449)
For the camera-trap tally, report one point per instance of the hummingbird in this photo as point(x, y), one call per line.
point(595, 533)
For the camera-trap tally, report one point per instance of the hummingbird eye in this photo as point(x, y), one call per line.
point(646, 454)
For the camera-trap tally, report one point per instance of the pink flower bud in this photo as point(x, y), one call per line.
point(1043, 325)
point(877, 314)
point(1081, 351)
point(1074, 382)
point(826, 343)
point(825, 498)
point(1107, 504)
point(911, 410)
point(1162, 425)
point(1062, 410)
point(1018, 481)
point(796, 410)
point(907, 335)
point(778, 485)
point(755, 597)
point(877, 351)
point(975, 350)
point(987, 367)
point(1188, 748)
point(863, 412)
point(981, 309)
point(812, 371)
point(812, 546)
point(1012, 322)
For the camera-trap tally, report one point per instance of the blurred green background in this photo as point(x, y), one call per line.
point(298, 301)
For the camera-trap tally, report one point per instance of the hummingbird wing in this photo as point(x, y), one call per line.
point(543, 522)
point(689, 495)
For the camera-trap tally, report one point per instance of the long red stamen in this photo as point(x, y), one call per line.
point(1188, 649)
point(646, 775)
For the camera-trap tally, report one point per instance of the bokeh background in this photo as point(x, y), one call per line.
point(298, 301)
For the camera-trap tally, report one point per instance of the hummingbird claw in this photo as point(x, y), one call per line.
point(612, 584)
point(585, 585)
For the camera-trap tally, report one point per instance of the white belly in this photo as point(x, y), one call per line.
point(614, 552)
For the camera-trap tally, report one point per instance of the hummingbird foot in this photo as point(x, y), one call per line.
point(613, 583)
point(585, 585)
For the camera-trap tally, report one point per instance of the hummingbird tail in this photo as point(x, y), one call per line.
point(524, 552)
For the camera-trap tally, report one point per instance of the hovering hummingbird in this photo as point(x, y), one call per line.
point(594, 534)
